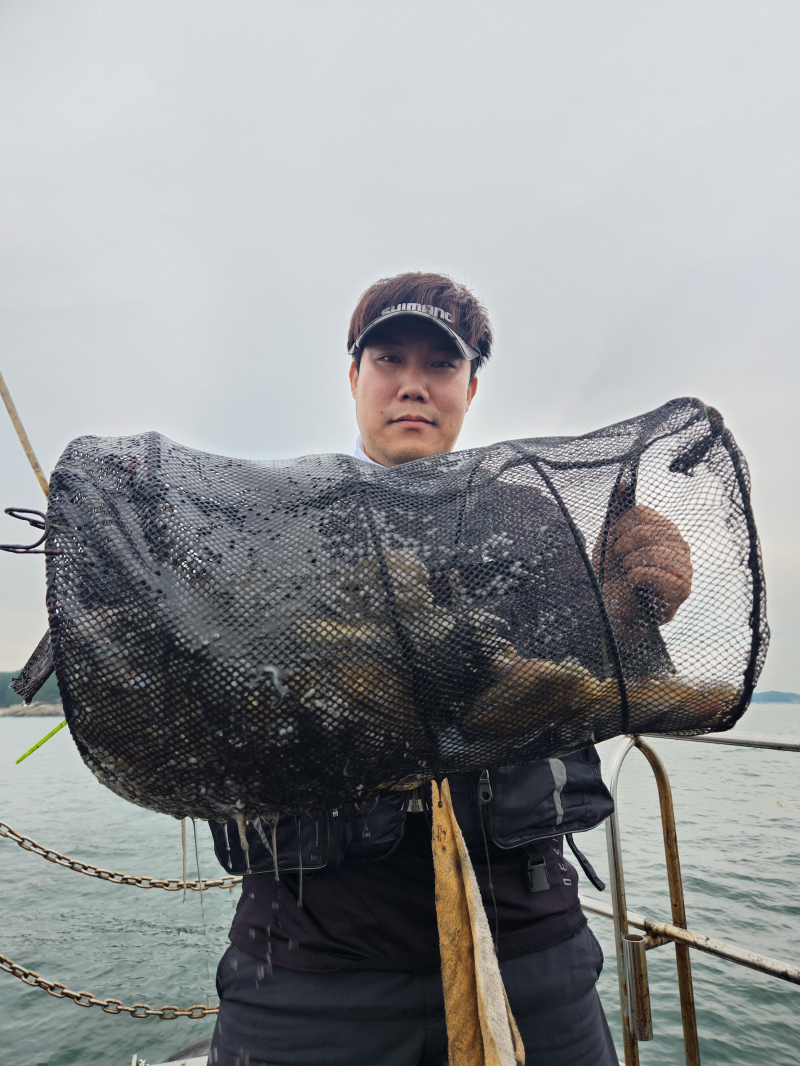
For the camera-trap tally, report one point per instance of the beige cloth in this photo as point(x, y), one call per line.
point(481, 1030)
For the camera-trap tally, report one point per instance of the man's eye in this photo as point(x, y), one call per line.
point(442, 362)
point(389, 358)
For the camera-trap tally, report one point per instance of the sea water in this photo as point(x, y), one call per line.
point(738, 824)
point(738, 814)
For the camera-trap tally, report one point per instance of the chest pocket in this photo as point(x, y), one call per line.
point(548, 797)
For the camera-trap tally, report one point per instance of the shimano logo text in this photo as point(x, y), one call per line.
point(426, 309)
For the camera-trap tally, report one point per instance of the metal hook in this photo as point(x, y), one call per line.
point(22, 514)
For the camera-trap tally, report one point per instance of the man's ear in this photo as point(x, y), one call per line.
point(353, 373)
point(471, 390)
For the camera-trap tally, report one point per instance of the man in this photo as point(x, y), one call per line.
point(341, 966)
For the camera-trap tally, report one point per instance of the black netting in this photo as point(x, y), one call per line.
point(36, 671)
point(235, 636)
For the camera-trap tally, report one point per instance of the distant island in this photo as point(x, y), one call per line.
point(35, 710)
point(776, 697)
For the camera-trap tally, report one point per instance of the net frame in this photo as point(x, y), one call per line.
point(127, 517)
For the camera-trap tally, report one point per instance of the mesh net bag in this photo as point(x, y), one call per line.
point(240, 638)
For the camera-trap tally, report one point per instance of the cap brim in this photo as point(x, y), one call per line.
point(464, 349)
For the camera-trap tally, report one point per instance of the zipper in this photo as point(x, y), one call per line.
point(484, 788)
point(554, 831)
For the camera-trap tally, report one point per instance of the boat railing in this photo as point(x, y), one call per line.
point(631, 946)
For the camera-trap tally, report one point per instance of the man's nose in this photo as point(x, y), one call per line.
point(413, 388)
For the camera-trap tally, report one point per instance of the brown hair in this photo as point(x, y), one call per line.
point(469, 315)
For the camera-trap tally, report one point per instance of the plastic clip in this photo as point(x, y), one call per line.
point(535, 870)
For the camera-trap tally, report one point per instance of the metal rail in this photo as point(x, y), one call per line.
point(661, 932)
point(631, 967)
point(737, 740)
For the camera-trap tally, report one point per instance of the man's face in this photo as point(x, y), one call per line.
point(412, 392)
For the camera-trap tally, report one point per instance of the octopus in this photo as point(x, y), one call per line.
point(518, 697)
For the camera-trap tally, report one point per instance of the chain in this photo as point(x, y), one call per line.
point(171, 884)
point(110, 1006)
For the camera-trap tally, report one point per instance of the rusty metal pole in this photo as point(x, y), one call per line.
point(659, 933)
point(685, 986)
point(635, 952)
point(630, 1047)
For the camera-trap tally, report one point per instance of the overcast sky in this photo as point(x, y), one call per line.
point(193, 195)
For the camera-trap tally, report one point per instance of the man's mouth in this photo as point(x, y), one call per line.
point(413, 418)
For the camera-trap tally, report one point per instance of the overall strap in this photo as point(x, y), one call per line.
point(585, 865)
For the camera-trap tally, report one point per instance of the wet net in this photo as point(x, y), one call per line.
point(238, 637)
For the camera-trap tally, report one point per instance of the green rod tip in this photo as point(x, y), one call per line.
point(39, 743)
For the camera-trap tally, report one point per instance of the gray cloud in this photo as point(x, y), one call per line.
point(194, 194)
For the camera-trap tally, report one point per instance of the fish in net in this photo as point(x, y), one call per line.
point(236, 638)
